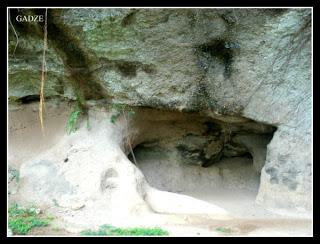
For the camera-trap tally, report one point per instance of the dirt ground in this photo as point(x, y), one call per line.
point(237, 227)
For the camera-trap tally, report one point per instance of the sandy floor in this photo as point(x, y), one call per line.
point(231, 184)
point(249, 219)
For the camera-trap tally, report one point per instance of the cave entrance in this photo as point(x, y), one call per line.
point(213, 159)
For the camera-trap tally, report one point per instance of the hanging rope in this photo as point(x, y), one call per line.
point(43, 74)
point(15, 33)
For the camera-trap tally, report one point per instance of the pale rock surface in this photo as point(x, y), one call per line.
point(252, 63)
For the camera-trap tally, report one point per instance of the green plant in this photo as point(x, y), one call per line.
point(108, 230)
point(22, 220)
point(224, 230)
point(73, 119)
point(121, 109)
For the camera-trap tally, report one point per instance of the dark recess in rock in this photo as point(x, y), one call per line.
point(214, 142)
point(29, 99)
point(129, 19)
point(221, 50)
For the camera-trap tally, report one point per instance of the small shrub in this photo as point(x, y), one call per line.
point(22, 220)
point(108, 230)
point(73, 119)
point(121, 109)
point(114, 117)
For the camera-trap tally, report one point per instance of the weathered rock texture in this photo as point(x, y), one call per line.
point(185, 152)
point(252, 63)
point(87, 177)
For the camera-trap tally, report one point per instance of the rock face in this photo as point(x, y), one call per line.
point(252, 63)
point(93, 182)
point(256, 146)
point(188, 153)
point(39, 176)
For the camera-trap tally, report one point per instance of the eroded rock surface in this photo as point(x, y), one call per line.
point(245, 63)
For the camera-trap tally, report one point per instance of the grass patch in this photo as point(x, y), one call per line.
point(224, 230)
point(108, 230)
point(22, 220)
